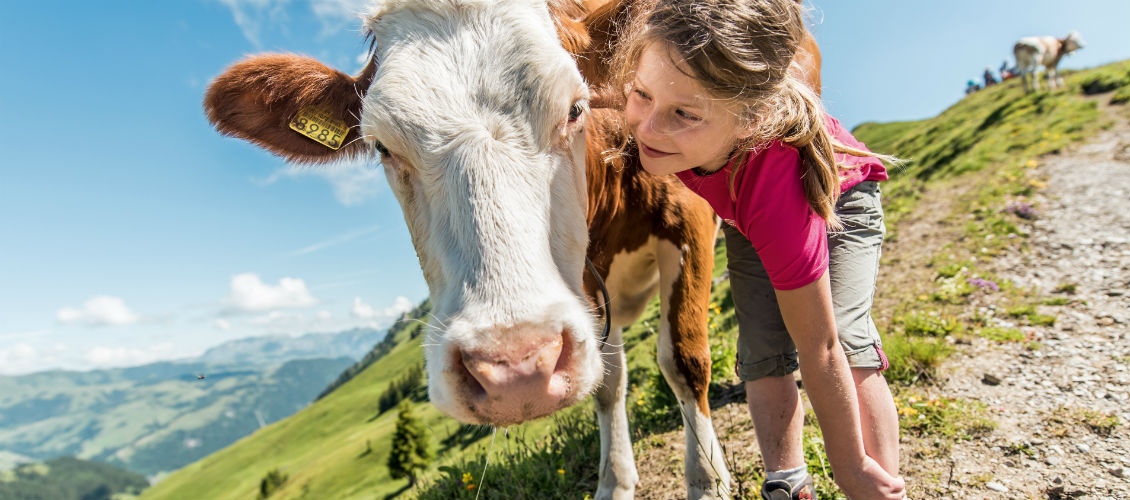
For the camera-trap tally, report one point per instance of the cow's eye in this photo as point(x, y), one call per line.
point(380, 148)
point(576, 110)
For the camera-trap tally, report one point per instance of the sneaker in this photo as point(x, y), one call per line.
point(782, 490)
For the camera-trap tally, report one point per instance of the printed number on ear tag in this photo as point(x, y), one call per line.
point(319, 124)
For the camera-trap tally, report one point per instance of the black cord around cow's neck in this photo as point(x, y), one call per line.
point(604, 291)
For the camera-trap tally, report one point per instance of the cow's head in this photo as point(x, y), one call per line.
point(1072, 42)
point(476, 112)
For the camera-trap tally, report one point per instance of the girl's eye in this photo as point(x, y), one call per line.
point(642, 94)
point(687, 116)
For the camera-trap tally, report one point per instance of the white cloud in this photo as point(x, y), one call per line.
point(253, 15)
point(399, 306)
point(338, 9)
point(364, 311)
point(22, 358)
point(250, 15)
point(127, 356)
point(352, 182)
point(101, 310)
point(223, 324)
point(25, 334)
point(18, 358)
point(250, 294)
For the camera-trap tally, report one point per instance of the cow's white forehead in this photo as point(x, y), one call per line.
point(444, 66)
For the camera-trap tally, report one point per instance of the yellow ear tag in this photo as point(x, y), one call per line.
point(319, 124)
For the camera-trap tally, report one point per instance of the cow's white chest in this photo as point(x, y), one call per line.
point(633, 280)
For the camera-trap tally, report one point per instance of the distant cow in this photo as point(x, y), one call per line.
point(1034, 51)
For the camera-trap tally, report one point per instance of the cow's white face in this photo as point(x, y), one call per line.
point(481, 113)
point(1073, 41)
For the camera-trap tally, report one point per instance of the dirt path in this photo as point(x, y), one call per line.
point(1053, 395)
point(1052, 403)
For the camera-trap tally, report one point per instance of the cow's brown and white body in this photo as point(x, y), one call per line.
point(1047, 51)
point(479, 113)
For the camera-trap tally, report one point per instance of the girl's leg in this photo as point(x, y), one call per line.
point(778, 421)
point(879, 418)
point(853, 268)
point(766, 358)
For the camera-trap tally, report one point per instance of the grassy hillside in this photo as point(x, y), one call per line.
point(337, 447)
point(66, 478)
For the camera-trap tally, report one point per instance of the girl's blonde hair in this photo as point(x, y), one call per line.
point(742, 51)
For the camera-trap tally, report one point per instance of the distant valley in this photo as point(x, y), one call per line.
point(156, 418)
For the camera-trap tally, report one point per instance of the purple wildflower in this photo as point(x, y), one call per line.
point(983, 283)
point(1021, 209)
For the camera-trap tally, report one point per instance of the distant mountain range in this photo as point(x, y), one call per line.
point(156, 418)
point(353, 343)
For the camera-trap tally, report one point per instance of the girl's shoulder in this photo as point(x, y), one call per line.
point(773, 158)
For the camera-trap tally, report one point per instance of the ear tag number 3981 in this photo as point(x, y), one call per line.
point(319, 124)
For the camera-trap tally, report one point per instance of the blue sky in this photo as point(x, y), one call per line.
point(130, 231)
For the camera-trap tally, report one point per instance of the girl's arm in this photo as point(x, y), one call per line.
point(809, 317)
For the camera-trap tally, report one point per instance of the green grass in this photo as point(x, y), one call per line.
point(555, 465)
point(948, 418)
point(1001, 334)
point(1001, 131)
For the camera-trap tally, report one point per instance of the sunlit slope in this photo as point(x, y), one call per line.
point(323, 448)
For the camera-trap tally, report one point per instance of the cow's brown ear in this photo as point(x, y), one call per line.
point(567, 16)
point(292, 106)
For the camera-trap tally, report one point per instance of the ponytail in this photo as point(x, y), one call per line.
point(795, 117)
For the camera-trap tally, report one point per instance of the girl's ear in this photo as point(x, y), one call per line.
point(745, 129)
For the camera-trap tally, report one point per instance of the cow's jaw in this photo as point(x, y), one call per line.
point(490, 176)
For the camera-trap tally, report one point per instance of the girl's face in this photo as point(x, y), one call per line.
point(676, 123)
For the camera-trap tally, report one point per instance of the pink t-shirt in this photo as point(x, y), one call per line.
point(771, 210)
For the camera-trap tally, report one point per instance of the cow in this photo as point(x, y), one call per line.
point(489, 120)
point(1035, 51)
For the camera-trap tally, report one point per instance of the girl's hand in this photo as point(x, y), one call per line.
point(870, 481)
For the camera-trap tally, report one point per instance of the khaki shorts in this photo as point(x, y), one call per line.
point(764, 345)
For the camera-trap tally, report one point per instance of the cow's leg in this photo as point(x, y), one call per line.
point(618, 476)
point(684, 358)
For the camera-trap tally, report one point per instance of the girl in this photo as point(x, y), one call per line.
point(711, 99)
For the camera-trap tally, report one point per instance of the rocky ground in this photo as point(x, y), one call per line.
point(1061, 397)
point(1045, 399)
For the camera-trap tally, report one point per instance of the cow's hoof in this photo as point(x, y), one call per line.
point(615, 493)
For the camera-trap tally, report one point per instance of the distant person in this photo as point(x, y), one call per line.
point(988, 76)
point(971, 87)
point(1007, 72)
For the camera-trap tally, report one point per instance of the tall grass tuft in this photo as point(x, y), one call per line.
point(556, 465)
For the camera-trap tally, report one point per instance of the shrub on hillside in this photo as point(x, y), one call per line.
point(409, 455)
point(271, 483)
point(401, 388)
